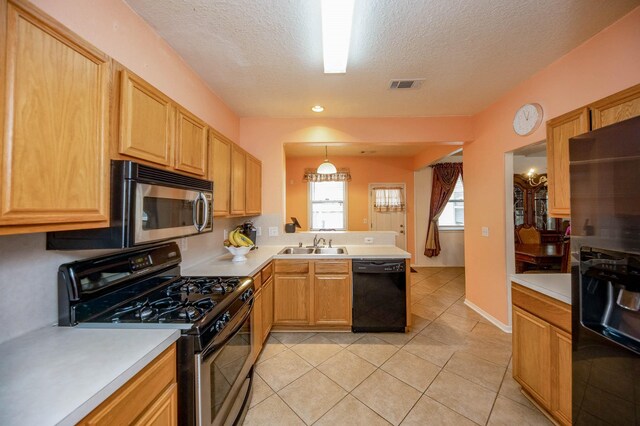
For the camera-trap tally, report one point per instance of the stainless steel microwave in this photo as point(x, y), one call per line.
point(147, 205)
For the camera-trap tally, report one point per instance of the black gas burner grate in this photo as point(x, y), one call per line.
point(202, 285)
point(163, 310)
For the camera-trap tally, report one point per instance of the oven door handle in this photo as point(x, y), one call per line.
point(228, 333)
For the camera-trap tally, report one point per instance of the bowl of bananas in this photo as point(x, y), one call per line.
point(238, 245)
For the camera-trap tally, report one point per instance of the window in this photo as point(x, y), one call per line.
point(328, 205)
point(453, 214)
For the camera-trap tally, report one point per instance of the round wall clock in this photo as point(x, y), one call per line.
point(527, 119)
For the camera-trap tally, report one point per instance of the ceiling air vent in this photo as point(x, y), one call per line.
point(414, 84)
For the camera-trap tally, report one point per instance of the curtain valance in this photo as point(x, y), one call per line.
point(342, 175)
point(388, 199)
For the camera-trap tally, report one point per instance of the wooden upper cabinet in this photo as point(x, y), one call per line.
point(146, 121)
point(559, 130)
point(618, 107)
point(253, 186)
point(220, 174)
point(55, 118)
point(191, 143)
point(238, 180)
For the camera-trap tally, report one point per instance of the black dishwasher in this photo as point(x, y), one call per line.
point(379, 295)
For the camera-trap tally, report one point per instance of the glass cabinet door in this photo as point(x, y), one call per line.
point(518, 205)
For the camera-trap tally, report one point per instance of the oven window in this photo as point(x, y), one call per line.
point(227, 366)
point(163, 213)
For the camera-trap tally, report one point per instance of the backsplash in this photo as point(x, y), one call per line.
point(28, 275)
point(28, 272)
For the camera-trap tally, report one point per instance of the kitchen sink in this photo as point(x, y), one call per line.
point(297, 250)
point(330, 250)
point(312, 250)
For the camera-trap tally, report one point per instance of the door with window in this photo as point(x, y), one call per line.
point(387, 210)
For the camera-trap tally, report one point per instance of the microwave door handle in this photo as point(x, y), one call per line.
point(196, 201)
point(205, 216)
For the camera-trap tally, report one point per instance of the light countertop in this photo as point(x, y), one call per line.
point(557, 286)
point(257, 259)
point(58, 375)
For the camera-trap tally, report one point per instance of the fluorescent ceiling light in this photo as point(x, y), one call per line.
point(337, 16)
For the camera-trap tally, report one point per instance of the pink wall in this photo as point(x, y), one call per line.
point(264, 137)
point(605, 64)
point(113, 27)
point(364, 170)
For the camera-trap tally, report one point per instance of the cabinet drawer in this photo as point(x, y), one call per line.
point(131, 400)
point(545, 307)
point(292, 267)
point(332, 267)
point(267, 272)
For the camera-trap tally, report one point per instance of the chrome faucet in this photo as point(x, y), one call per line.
point(317, 240)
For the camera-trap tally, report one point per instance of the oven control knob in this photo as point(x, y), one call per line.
point(226, 317)
point(246, 295)
point(220, 325)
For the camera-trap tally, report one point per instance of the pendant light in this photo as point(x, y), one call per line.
point(326, 168)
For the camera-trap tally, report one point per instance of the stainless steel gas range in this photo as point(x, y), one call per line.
point(143, 288)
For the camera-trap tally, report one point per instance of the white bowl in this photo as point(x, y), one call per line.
point(239, 253)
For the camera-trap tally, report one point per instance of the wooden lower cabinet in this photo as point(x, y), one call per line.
point(149, 398)
point(262, 313)
point(332, 300)
point(542, 350)
point(312, 293)
point(291, 299)
point(561, 373)
point(532, 354)
point(267, 308)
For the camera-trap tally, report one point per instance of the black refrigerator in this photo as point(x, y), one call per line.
point(605, 246)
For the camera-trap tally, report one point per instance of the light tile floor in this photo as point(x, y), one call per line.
point(454, 368)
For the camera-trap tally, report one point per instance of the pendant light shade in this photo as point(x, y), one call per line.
point(326, 168)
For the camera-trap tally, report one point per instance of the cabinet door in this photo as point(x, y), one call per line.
point(257, 323)
point(191, 143)
point(531, 355)
point(54, 117)
point(332, 300)
point(238, 180)
point(138, 398)
point(561, 371)
point(220, 174)
point(164, 411)
point(253, 186)
point(559, 130)
point(618, 107)
point(267, 308)
point(291, 295)
point(146, 121)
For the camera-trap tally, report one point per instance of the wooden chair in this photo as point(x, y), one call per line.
point(528, 234)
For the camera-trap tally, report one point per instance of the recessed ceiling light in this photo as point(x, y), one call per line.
point(317, 108)
point(337, 17)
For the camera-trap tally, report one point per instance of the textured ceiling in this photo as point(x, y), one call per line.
point(358, 149)
point(264, 57)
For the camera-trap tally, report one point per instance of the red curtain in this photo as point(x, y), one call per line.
point(445, 176)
